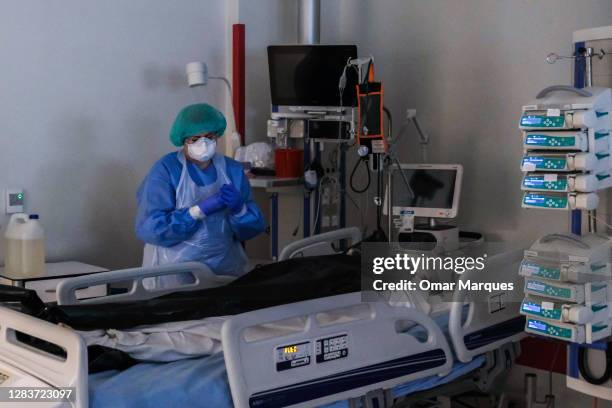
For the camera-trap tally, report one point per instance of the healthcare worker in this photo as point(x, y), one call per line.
point(195, 204)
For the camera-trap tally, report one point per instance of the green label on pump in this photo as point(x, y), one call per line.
point(545, 162)
point(542, 121)
point(532, 269)
point(539, 182)
point(550, 141)
point(545, 201)
point(549, 329)
point(545, 289)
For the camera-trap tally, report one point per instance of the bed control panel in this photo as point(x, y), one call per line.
point(332, 348)
point(293, 356)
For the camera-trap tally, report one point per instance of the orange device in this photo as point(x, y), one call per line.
point(370, 123)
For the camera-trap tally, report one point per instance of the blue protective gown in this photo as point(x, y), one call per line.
point(160, 223)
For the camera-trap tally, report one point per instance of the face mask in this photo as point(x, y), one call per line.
point(202, 150)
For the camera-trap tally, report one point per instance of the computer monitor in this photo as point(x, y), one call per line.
point(307, 76)
point(434, 190)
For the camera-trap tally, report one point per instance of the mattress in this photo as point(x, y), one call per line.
point(203, 382)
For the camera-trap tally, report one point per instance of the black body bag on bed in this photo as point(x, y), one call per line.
point(25, 300)
point(269, 285)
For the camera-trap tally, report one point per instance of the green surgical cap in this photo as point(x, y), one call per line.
point(195, 120)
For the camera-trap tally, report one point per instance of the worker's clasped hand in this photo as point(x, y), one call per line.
point(232, 198)
point(228, 197)
point(212, 204)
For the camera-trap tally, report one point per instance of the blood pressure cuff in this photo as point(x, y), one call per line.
point(290, 281)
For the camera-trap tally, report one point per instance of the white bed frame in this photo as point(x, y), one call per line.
point(376, 348)
point(488, 327)
point(30, 367)
point(203, 278)
point(381, 355)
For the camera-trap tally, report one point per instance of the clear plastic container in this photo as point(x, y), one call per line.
point(25, 246)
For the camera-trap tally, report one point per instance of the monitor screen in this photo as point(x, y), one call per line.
point(308, 75)
point(432, 188)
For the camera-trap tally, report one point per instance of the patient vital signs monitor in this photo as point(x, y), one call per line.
point(424, 190)
point(305, 77)
point(434, 190)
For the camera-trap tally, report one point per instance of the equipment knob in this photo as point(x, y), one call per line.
point(363, 151)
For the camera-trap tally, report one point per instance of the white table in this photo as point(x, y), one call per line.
point(271, 181)
point(46, 284)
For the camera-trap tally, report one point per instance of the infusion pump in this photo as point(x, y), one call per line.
point(567, 148)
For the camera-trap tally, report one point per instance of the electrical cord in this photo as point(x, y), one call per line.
point(585, 371)
point(316, 220)
point(367, 101)
point(551, 401)
point(379, 193)
point(297, 227)
point(351, 178)
point(390, 120)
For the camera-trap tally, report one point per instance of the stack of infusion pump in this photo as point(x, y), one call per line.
point(567, 146)
point(568, 287)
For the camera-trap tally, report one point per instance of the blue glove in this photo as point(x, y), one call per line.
point(232, 198)
point(212, 204)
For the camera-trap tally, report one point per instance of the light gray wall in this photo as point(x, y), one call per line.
point(468, 67)
point(88, 92)
point(272, 22)
point(268, 22)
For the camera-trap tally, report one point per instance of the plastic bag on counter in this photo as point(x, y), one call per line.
point(259, 155)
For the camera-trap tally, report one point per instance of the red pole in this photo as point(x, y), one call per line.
point(238, 77)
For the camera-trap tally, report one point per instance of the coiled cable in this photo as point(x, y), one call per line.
point(351, 180)
point(585, 371)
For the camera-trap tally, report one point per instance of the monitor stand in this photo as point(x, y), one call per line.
point(432, 225)
point(431, 237)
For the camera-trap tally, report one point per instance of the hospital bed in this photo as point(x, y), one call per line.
point(376, 346)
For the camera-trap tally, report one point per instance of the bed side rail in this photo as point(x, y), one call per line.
point(373, 350)
point(491, 321)
point(203, 278)
point(68, 371)
point(320, 244)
